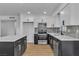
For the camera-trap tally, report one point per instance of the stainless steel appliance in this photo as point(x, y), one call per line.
point(42, 32)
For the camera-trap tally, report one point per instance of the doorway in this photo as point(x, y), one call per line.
point(28, 29)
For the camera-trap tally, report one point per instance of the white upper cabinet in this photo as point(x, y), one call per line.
point(70, 14)
point(56, 21)
point(74, 14)
point(65, 15)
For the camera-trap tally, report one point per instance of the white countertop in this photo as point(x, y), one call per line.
point(63, 37)
point(11, 38)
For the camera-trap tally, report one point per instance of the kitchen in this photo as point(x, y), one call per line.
point(51, 27)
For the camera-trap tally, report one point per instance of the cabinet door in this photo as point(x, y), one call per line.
point(16, 51)
point(74, 14)
point(65, 15)
point(67, 48)
point(51, 41)
point(35, 39)
point(22, 48)
point(55, 46)
point(25, 42)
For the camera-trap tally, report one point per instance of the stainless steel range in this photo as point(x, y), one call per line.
point(42, 32)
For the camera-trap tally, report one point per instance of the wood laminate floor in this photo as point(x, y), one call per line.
point(38, 50)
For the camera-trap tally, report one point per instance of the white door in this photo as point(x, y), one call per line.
point(28, 29)
point(8, 28)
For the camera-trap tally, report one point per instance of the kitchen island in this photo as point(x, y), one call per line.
point(13, 45)
point(64, 45)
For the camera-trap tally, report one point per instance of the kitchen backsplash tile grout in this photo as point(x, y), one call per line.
point(72, 31)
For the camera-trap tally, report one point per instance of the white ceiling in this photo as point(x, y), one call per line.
point(34, 8)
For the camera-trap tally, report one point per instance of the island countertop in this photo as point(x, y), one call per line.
point(63, 37)
point(12, 38)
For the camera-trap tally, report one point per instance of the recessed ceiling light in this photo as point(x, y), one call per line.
point(28, 12)
point(62, 12)
point(44, 12)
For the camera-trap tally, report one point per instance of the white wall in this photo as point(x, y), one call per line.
point(26, 28)
point(48, 19)
point(57, 21)
point(36, 19)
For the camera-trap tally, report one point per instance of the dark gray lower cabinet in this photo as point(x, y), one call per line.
point(67, 48)
point(6, 49)
point(56, 47)
point(64, 48)
point(35, 39)
point(20, 46)
point(16, 48)
point(70, 48)
point(50, 41)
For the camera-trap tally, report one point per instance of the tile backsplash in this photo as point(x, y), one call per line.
point(56, 29)
point(73, 31)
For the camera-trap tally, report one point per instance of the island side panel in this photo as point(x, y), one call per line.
point(76, 48)
point(6, 48)
point(67, 48)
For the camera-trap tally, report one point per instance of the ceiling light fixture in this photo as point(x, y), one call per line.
point(28, 12)
point(62, 12)
point(44, 12)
